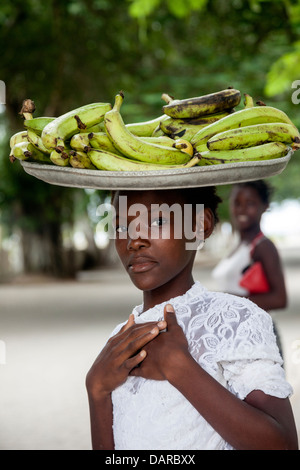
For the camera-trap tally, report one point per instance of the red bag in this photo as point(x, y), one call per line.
point(254, 279)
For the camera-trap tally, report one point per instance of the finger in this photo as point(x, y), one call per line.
point(129, 323)
point(132, 330)
point(136, 343)
point(169, 315)
point(132, 363)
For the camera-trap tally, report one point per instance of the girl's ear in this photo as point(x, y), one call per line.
point(204, 224)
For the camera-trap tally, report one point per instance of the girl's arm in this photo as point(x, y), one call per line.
point(258, 422)
point(121, 353)
point(101, 418)
point(276, 298)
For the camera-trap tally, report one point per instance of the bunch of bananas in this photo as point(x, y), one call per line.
point(253, 133)
point(195, 131)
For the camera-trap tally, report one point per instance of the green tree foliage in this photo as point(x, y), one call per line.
point(63, 54)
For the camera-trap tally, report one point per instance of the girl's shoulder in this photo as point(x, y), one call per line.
point(263, 245)
point(226, 327)
point(236, 310)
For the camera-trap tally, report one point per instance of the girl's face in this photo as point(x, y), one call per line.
point(146, 240)
point(246, 208)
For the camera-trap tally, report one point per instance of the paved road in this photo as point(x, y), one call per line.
point(52, 332)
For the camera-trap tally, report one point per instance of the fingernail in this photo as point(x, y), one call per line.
point(161, 324)
point(169, 308)
point(154, 330)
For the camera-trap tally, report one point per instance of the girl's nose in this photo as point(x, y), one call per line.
point(138, 238)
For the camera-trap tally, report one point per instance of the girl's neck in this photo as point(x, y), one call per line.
point(173, 288)
point(249, 235)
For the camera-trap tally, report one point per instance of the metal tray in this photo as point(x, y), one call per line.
point(211, 175)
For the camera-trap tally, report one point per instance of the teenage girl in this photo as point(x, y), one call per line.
point(189, 369)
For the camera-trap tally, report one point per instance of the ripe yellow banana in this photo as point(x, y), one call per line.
point(37, 124)
point(267, 151)
point(17, 138)
point(242, 118)
point(111, 162)
point(27, 151)
point(65, 126)
point(202, 105)
point(134, 147)
point(184, 146)
point(36, 140)
point(80, 160)
point(257, 134)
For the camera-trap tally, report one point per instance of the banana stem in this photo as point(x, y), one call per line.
point(167, 98)
point(118, 101)
point(28, 108)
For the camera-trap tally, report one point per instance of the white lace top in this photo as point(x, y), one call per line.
point(232, 339)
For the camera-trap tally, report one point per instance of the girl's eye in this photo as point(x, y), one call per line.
point(121, 229)
point(158, 222)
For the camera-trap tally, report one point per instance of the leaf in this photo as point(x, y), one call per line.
point(178, 8)
point(283, 72)
point(142, 8)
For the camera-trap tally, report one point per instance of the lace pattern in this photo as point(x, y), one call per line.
point(232, 339)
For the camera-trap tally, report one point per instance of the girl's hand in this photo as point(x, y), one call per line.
point(165, 351)
point(121, 354)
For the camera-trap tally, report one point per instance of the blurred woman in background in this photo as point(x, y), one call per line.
point(248, 202)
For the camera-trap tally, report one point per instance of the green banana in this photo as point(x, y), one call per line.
point(257, 134)
point(37, 124)
point(96, 128)
point(80, 160)
point(158, 132)
point(68, 124)
point(202, 105)
point(187, 128)
point(248, 102)
point(160, 140)
point(145, 128)
point(111, 162)
point(60, 158)
point(132, 146)
point(100, 140)
point(242, 118)
point(178, 143)
point(266, 151)
point(36, 140)
point(17, 138)
point(80, 141)
point(27, 151)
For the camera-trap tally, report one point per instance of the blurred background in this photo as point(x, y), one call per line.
point(61, 287)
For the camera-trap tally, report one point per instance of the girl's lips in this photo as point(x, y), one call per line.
point(242, 218)
point(141, 264)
